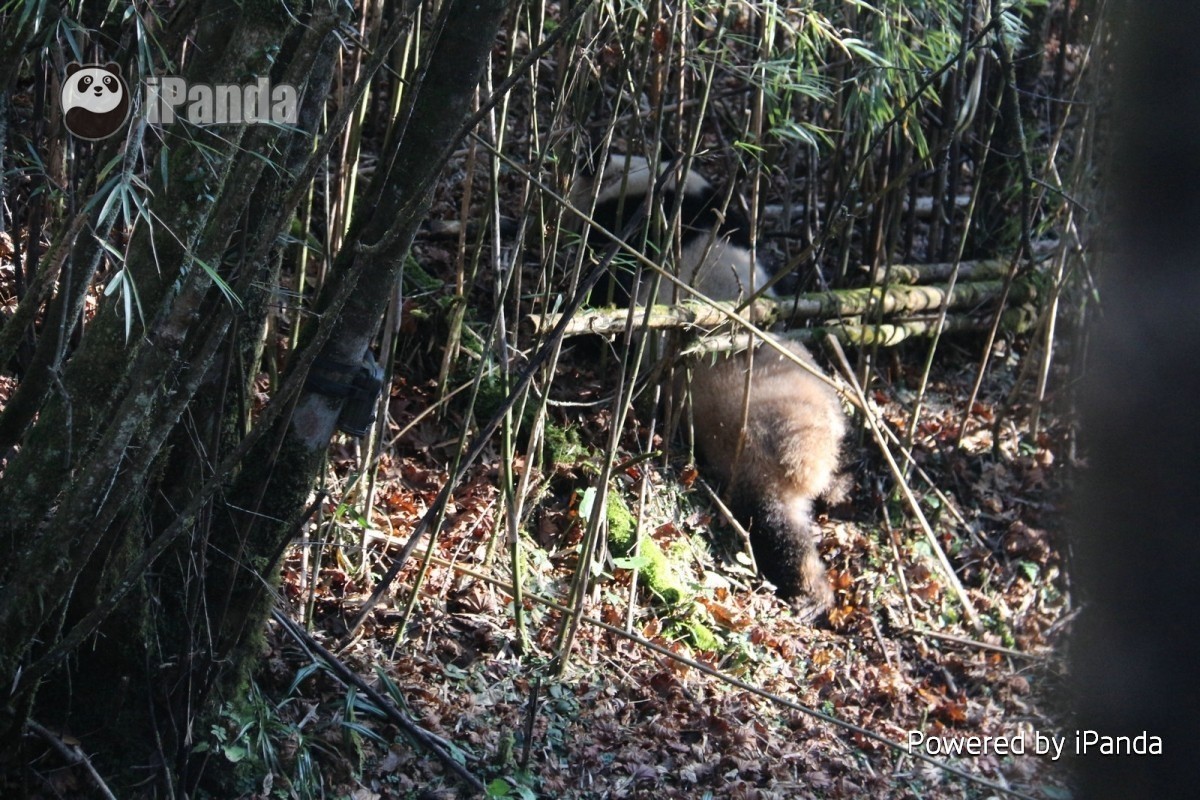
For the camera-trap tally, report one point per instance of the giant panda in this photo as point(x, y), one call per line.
point(789, 453)
point(715, 257)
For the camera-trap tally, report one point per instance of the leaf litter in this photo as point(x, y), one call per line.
point(896, 655)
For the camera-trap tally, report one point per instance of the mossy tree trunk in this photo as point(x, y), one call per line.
point(142, 522)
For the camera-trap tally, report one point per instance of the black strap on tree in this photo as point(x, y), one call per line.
point(358, 384)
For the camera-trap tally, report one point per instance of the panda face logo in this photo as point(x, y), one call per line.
point(95, 99)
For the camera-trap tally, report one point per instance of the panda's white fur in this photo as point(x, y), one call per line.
point(788, 453)
point(720, 269)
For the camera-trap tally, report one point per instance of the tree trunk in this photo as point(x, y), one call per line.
point(139, 449)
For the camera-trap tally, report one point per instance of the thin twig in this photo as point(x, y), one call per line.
point(712, 672)
point(72, 754)
point(395, 715)
point(482, 440)
point(742, 533)
point(913, 504)
point(963, 640)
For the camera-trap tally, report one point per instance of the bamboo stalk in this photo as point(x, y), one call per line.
point(909, 274)
point(910, 497)
point(1016, 320)
point(824, 305)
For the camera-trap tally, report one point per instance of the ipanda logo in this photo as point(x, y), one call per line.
point(96, 101)
point(220, 103)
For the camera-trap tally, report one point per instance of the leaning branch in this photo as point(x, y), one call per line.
point(401, 720)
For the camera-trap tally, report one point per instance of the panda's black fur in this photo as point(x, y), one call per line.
point(625, 180)
point(789, 450)
point(715, 243)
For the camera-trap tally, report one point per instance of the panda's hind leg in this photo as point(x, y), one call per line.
point(784, 539)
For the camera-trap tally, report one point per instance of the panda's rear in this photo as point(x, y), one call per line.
point(787, 457)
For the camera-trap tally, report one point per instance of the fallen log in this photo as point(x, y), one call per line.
point(841, 303)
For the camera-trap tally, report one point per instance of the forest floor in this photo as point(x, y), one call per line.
point(711, 695)
point(722, 692)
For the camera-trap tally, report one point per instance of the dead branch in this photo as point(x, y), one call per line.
point(426, 739)
point(73, 755)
